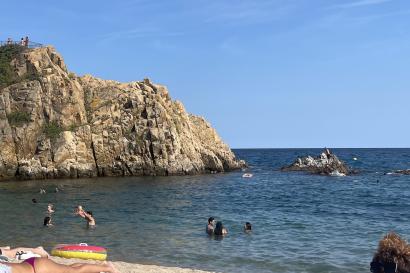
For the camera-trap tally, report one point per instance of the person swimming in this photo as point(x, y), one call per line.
point(90, 218)
point(247, 227)
point(47, 221)
point(210, 227)
point(50, 209)
point(220, 230)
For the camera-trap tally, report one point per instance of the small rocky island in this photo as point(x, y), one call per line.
point(405, 172)
point(54, 124)
point(325, 164)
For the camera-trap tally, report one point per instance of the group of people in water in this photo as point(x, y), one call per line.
point(217, 228)
point(78, 211)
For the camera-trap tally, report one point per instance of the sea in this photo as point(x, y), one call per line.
point(300, 222)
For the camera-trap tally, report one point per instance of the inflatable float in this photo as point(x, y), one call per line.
point(80, 251)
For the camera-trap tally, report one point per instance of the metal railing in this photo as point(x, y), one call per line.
point(18, 43)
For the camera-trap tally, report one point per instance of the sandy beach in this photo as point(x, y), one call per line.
point(134, 268)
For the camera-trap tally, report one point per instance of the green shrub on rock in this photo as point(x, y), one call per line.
point(18, 118)
point(7, 54)
point(52, 130)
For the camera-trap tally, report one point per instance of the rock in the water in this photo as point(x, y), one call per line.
point(406, 172)
point(326, 164)
point(54, 124)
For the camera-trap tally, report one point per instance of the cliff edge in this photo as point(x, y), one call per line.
point(54, 124)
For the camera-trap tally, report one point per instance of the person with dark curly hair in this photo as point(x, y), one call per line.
point(392, 255)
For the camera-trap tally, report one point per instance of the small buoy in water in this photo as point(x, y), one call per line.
point(247, 175)
point(354, 158)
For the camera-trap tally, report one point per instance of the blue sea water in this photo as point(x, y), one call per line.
point(301, 222)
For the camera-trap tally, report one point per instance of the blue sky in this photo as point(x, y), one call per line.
point(278, 73)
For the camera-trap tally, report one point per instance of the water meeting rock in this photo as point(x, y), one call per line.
point(325, 164)
point(54, 124)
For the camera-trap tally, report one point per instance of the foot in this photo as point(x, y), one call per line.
point(113, 269)
point(42, 252)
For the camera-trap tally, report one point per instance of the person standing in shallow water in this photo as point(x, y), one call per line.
point(50, 209)
point(90, 218)
point(210, 226)
point(220, 230)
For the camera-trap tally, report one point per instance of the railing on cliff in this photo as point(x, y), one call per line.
point(18, 43)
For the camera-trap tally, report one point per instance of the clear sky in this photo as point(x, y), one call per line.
point(264, 73)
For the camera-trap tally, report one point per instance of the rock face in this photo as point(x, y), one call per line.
point(325, 164)
point(54, 124)
point(406, 172)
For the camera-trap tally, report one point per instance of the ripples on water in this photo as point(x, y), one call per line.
point(301, 223)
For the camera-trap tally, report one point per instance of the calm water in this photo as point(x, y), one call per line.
point(302, 223)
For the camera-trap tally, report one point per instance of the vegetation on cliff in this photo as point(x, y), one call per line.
point(7, 73)
point(54, 124)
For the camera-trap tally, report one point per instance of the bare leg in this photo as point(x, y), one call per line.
point(47, 266)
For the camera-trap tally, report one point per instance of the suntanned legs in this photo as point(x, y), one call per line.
point(47, 266)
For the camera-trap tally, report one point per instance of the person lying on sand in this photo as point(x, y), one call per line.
point(43, 265)
point(11, 253)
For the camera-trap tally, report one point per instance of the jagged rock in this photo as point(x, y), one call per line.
point(326, 164)
point(54, 124)
point(406, 172)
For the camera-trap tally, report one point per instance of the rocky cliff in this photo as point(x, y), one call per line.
point(54, 124)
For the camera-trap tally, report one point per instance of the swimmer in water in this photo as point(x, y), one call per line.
point(47, 221)
point(50, 209)
point(90, 218)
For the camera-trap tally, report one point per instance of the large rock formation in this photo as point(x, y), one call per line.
point(54, 124)
point(326, 164)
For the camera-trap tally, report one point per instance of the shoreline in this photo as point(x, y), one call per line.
point(125, 267)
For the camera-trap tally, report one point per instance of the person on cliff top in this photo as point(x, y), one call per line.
point(22, 42)
point(210, 227)
point(26, 41)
